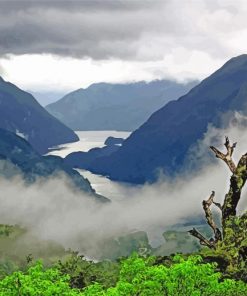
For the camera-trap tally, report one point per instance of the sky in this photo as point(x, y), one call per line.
point(60, 46)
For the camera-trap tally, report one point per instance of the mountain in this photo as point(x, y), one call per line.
point(21, 113)
point(18, 157)
point(46, 97)
point(162, 143)
point(105, 106)
point(84, 160)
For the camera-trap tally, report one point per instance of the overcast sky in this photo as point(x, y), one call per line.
point(65, 45)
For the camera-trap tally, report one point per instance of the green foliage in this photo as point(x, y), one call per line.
point(236, 234)
point(191, 277)
point(122, 245)
point(177, 242)
point(84, 273)
point(137, 276)
point(7, 267)
point(234, 246)
point(18, 247)
point(5, 230)
point(37, 281)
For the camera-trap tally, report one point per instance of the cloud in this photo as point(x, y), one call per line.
point(235, 128)
point(1, 70)
point(55, 212)
point(72, 44)
point(126, 30)
point(72, 28)
point(47, 72)
point(52, 210)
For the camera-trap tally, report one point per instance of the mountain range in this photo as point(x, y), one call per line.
point(21, 113)
point(17, 157)
point(122, 107)
point(163, 142)
point(46, 97)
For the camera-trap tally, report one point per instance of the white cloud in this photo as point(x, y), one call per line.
point(53, 73)
point(117, 43)
point(54, 212)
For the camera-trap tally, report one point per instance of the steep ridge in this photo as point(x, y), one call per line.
point(18, 157)
point(106, 106)
point(163, 141)
point(21, 113)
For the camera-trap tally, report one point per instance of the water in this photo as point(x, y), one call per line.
point(116, 191)
point(88, 140)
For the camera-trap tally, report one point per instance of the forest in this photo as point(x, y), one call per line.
point(120, 174)
point(219, 267)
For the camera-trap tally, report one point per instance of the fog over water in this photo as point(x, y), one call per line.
point(55, 211)
point(89, 140)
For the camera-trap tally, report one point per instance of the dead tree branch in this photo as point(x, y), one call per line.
point(206, 204)
point(203, 241)
point(229, 207)
point(227, 158)
point(218, 205)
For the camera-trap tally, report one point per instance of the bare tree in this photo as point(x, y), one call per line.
point(231, 200)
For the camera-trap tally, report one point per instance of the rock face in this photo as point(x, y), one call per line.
point(122, 107)
point(17, 156)
point(162, 142)
point(21, 113)
point(113, 141)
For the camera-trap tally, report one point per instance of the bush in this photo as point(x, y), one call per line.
point(37, 281)
point(191, 277)
point(138, 276)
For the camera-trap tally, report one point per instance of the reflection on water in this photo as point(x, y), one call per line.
point(102, 185)
point(88, 140)
point(111, 189)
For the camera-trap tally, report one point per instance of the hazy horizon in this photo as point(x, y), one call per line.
point(58, 46)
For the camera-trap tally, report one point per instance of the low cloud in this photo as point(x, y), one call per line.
point(1, 70)
point(55, 212)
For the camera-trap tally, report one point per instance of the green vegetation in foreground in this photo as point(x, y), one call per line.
point(137, 276)
point(220, 269)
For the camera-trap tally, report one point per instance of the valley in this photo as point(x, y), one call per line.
point(123, 148)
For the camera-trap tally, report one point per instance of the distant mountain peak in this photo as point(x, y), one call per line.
point(242, 57)
point(20, 111)
point(235, 62)
point(113, 106)
point(163, 143)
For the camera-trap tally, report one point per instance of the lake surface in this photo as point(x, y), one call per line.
point(116, 191)
point(89, 140)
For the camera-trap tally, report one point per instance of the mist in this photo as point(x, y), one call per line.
point(55, 211)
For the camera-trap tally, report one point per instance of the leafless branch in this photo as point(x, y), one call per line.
point(227, 158)
point(206, 204)
point(203, 241)
point(209, 216)
point(218, 205)
point(229, 207)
